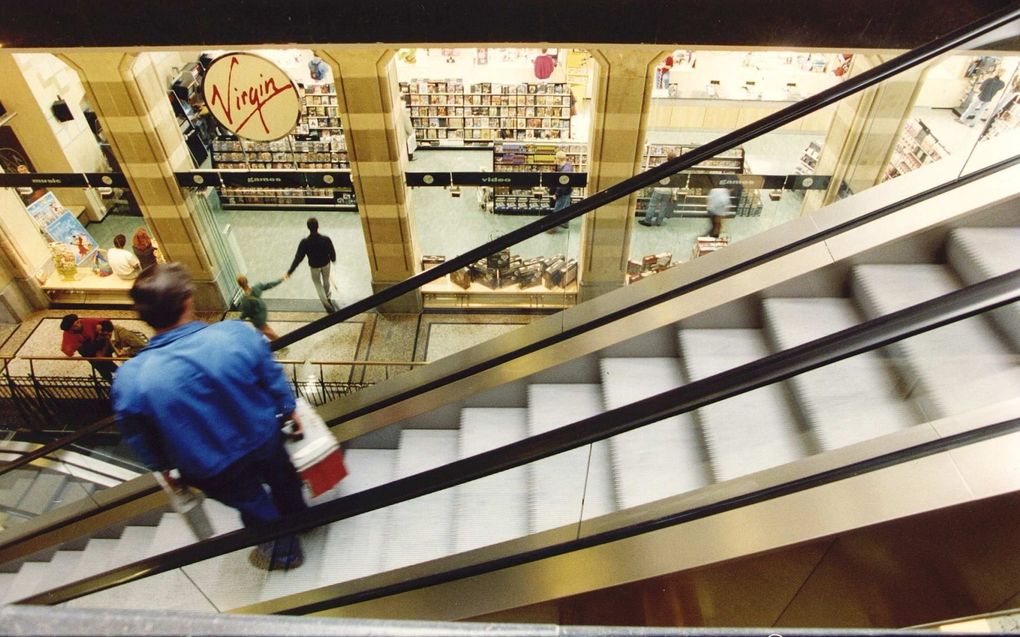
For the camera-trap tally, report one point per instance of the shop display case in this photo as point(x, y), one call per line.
point(915, 147)
point(533, 157)
point(692, 202)
point(317, 143)
point(445, 112)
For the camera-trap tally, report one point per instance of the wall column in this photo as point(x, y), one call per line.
point(368, 95)
point(129, 97)
point(30, 83)
point(863, 132)
point(621, 103)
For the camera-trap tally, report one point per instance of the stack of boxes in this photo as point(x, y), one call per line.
point(648, 265)
point(503, 270)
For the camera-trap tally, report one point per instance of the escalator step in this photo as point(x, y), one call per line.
point(977, 254)
point(846, 402)
point(658, 460)
point(747, 433)
point(950, 370)
point(495, 508)
point(422, 529)
point(31, 578)
point(558, 489)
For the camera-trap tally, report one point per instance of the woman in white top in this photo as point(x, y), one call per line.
point(123, 262)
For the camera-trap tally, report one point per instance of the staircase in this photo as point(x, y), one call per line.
point(945, 372)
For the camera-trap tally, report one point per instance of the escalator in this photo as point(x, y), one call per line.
point(662, 404)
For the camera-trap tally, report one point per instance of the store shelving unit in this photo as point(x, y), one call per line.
point(317, 143)
point(445, 112)
point(916, 147)
point(539, 156)
point(693, 202)
point(809, 160)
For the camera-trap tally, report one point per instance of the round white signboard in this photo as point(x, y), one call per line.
point(251, 97)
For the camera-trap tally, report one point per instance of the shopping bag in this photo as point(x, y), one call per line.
point(188, 503)
point(315, 453)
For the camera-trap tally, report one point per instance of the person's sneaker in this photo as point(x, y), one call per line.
point(644, 223)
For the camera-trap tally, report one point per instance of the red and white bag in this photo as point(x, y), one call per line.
point(317, 456)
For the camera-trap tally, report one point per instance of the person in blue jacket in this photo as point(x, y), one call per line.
point(208, 400)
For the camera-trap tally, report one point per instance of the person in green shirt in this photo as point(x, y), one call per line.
point(253, 307)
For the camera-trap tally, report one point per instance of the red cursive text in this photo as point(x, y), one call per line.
point(253, 98)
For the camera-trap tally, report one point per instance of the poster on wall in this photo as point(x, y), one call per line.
point(68, 230)
point(45, 210)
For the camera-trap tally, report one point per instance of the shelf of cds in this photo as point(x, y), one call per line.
point(692, 202)
point(916, 147)
point(450, 113)
point(537, 156)
point(317, 143)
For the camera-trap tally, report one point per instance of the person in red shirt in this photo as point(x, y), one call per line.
point(82, 335)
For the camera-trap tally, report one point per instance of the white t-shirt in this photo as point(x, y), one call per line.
point(123, 262)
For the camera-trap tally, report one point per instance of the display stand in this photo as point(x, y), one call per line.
point(443, 293)
point(704, 245)
point(316, 144)
point(533, 157)
point(88, 288)
point(693, 202)
point(915, 147)
point(445, 114)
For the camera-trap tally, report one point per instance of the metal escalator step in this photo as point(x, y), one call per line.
point(658, 460)
point(5, 585)
point(846, 402)
point(747, 433)
point(950, 370)
point(977, 254)
point(421, 529)
point(60, 568)
point(42, 492)
point(558, 493)
point(495, 508)
point(31, 577)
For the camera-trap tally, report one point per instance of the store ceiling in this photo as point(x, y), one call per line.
point(860, 24)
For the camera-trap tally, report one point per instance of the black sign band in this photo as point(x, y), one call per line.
point(43, 180)
point(107, 180)
point(415, 180)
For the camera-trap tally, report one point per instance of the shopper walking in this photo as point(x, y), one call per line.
point(980, 102)
point(208, 401)
point(82, 335)
point(561, 193)
point(253, 308)
point(718, 207)
point(321, 255)
point(660, 205)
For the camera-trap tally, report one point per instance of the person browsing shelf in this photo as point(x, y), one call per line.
point(660, 204)
point(561, 193)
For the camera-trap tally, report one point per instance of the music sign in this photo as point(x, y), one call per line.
point(251, 97)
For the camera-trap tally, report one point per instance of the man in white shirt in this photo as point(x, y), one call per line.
point(123, 262)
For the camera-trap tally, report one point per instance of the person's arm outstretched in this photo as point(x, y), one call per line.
point(298, 258)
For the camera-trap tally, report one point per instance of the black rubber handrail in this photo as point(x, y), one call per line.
point(875, 333)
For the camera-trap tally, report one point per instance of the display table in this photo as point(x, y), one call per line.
point(88, 288)
point(443, 293)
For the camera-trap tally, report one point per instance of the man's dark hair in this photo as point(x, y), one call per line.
point(160, 292)
point(68, 321)
point(119, 241)
point(106, 325)
point(313, 225)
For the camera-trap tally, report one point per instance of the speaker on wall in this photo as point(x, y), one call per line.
point(61, 111)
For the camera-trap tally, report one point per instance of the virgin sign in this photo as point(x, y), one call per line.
point(251, 97)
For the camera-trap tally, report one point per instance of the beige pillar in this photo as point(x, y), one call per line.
point(30, 83)
point(368, 95)
point(621, 103)
point(129, 96)
point(863, 133)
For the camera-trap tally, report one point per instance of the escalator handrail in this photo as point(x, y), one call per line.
point(649, 177)
point(867, 336)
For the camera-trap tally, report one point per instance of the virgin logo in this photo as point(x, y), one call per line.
point(251, 97)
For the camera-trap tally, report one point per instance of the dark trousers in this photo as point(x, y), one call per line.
point(105, 369)
point(241, 485)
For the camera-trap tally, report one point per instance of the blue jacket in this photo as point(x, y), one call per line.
point(200, 397)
